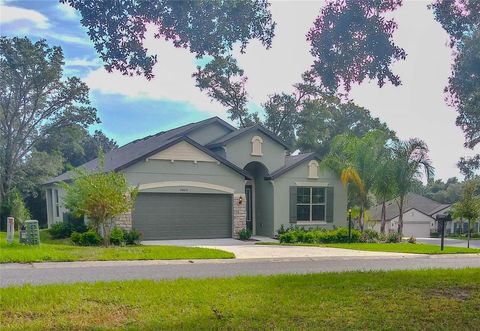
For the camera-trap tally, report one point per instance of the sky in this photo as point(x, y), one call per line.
point(132, 107)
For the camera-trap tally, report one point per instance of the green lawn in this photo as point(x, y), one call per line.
point(399, 300)
point(61, 250)
point(397, 247)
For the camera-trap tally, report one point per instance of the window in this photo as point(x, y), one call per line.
point(57, 206)
point(257, 146)
point(313, 169)
point(311, 204)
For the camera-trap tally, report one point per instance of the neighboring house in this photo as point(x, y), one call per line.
point(419, 217)
point(210, 180)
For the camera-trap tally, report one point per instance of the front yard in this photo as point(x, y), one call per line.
point(392, 247)
point(62, 250)
point(399, 300)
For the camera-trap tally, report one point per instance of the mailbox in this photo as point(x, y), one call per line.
point(441, 220)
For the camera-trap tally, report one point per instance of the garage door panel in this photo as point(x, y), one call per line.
point(183, 216)
point(418, 230)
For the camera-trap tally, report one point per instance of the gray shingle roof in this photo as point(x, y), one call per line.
point(130, 153)
point(291, 161)
point(412, 201)
point(238, 133)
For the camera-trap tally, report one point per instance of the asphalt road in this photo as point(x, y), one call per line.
point(45, 273)
point(474, 243)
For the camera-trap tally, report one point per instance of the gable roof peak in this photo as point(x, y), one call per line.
point(240, 132)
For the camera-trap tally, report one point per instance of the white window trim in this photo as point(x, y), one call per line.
point(257, 141)
point(312, 174)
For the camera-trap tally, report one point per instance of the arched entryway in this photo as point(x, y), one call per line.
point(259, 196)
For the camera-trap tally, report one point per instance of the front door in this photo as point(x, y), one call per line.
point(249, 206)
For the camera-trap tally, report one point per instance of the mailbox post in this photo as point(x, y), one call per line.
point(441, 220)
point(349, 225)
point(10, 229)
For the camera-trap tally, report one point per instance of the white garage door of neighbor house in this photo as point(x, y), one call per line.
point(418, 230)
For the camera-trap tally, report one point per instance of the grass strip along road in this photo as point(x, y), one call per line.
point(394, 300)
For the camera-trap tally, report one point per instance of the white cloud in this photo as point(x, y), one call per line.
point(11, 14)
point(66, 38)
point(173, 79)
point(277, 69)
point(83, 62)
point(68, 12)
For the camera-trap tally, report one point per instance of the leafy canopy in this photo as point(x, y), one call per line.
point(468, 207)
point(35, 99)
point(117, 29)
point(352, 40)
point(100, 196)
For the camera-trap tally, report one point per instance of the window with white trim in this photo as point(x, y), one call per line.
point(313, 169)
point(257, 146)
point(311, 204)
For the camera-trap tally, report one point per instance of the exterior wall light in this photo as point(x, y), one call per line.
point(240, 200)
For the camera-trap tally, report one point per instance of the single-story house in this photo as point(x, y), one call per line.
point(419, 217)
point(210, 180)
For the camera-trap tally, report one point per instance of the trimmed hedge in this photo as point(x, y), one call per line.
point(317, 236)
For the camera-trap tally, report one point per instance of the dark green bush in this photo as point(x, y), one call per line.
point(132, 237)
point(245, 234)
point(319, 236)
point(77, 223)
point(117, 237)
point(60, 230)
point(89, 238)
point(69, 225)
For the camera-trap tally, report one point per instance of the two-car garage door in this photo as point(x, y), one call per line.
point(183, 215)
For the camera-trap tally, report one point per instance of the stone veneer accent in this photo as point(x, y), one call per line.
point(124, 221)
point(239, 214)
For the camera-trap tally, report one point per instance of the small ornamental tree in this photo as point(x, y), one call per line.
point(100, 196)
point(468, 207)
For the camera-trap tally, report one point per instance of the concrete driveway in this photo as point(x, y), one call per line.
point(250, 250)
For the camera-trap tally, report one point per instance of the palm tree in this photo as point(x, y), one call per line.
point(384, 187)
point(356, 161)
point(410, 158)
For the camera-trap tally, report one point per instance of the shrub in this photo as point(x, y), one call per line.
point(77, 224)
point(89, 238)
point(245, 234)
point(282, 230)
point(117, 236)
point(434, 234)
point(412, 240)
point(318, 236)
point(475, 235)
point(393, 237)
point(369, 236)
point(60, 230)
point(69, 225)
point(132, 237)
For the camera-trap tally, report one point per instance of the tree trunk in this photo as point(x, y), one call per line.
point(400, 216)
point(361, 220)
point(384, 217)
point(106, 234)
point(468, 238)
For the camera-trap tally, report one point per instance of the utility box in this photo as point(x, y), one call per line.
point(10, 229)
point(33, 232)
point(22, 236)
